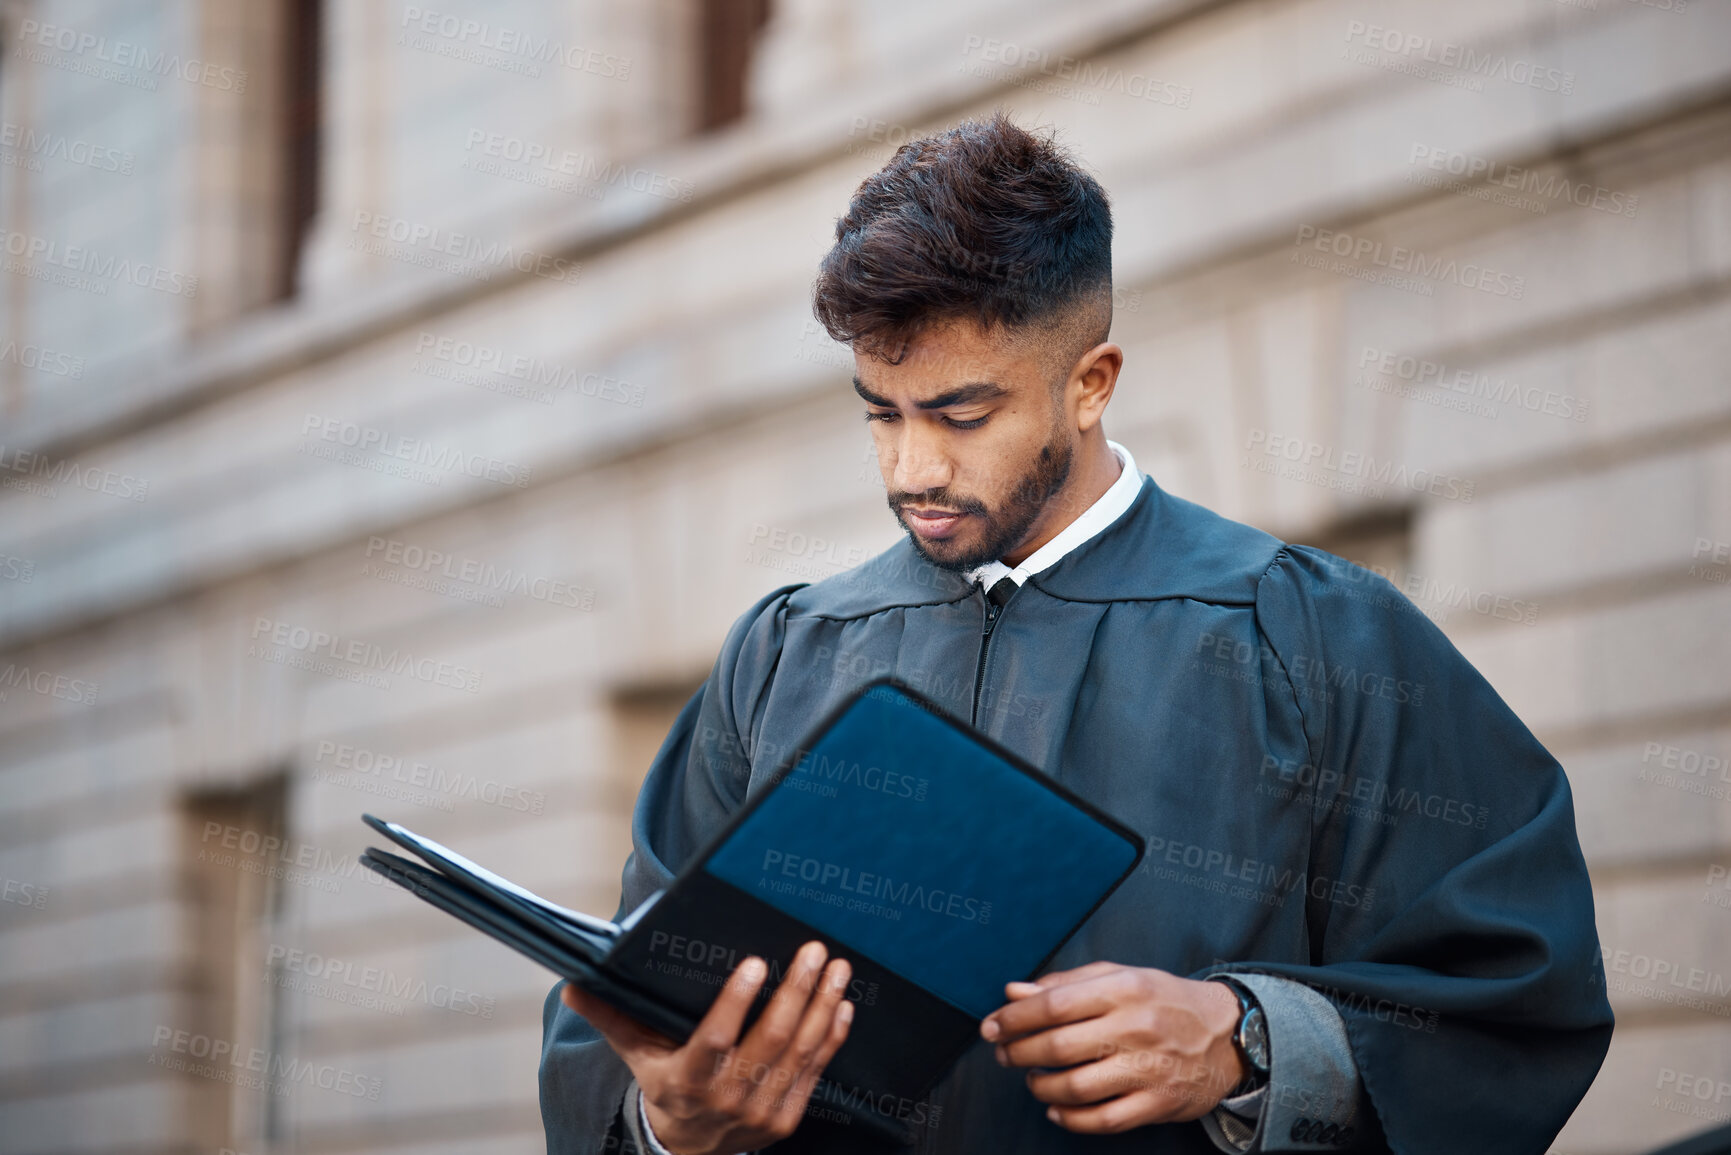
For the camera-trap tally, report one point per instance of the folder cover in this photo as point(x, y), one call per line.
point(939, 864)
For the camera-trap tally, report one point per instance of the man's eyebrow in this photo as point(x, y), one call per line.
point(868, 396)
point(972, 392)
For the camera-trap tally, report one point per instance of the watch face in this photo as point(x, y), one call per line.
point(1253, 1037)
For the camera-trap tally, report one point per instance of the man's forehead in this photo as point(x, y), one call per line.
point(941, 361)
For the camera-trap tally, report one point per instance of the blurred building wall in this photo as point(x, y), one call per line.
point(450, 532)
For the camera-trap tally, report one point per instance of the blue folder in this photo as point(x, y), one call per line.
point(940, 864)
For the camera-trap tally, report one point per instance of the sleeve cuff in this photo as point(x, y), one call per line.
point(637, 1123)
point(1311, 1101)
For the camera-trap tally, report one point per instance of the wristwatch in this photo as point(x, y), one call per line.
point(1250, 1040)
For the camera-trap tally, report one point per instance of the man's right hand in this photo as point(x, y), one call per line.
point(719, 1094)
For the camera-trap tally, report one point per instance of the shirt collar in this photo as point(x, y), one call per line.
point(1105, 510)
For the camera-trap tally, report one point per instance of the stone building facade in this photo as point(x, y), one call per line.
point(398, 403)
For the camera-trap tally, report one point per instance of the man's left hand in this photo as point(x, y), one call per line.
point(1114, 1047)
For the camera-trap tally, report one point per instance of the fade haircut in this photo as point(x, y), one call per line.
point(986, 222)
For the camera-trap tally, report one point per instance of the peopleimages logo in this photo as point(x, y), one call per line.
point(847, 881)
point(1689, 1095)
point(1473, 386)
point(466, 248)
point(483, 576)
point(1349, 788)
point(38, 145)
point(1691, 762)
point(1717, 876)
point(32, 466)
point(66, 688)
point(342, 981)
point(228, 1062)
point(589, 170)
point(301, 863)
point(363, 656)
point(414, 450)
point(1219, 654)
point(81, 260)
point(42, 360)
point(24, 894)
point(1524, 181)
point(1463, 58)
point(713, 962)
point(1433, 597)
point(1349, 469)
point(121, 54)
point(531, 370)
point(359, 761)
point(1665, 980)
point(1400, 259)
point(1269, 883)
point(467, 39)
point(1085, 78)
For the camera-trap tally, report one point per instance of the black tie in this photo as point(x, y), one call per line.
point(1000, 593)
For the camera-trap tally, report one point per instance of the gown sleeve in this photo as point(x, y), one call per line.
point(1465, 964)
point(698, 778)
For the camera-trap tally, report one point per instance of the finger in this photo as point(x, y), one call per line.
point(776, 1079)
point(819, 1018)
point(1067, 1003)
point(622, 1032)
point(775, 1029)
point(1112, 1116)
point(1075, 974)
point(718, 1031)
point(793, 1107)
point(1064, 1046)
point(1017, 991)
point(1091, 1083)
point(840, 1024)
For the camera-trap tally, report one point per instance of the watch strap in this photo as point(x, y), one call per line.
point(1255, 1074)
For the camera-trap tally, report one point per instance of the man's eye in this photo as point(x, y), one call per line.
point(870, 416)
point(974, 424)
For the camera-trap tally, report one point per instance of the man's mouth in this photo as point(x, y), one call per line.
point(932, 523)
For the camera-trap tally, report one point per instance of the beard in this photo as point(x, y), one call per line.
point(1000, 529)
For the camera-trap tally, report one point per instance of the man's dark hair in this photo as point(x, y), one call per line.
point(985, 222)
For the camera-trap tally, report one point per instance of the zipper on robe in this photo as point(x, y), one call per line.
point(993, 609)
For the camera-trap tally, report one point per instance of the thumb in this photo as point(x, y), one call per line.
point(622, 1032)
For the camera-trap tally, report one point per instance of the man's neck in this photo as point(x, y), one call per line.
point(1097, 467)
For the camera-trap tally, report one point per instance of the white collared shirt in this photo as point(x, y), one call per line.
point(1095, 518)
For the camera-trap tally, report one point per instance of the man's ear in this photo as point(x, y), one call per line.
point(1092, 380)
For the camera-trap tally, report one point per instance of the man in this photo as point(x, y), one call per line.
point(1340, 812)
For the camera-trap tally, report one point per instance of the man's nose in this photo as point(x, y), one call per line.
point(920, 465)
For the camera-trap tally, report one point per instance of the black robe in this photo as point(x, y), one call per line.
point(1329, 790)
